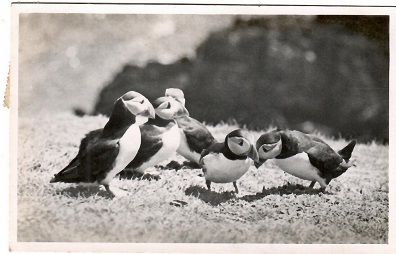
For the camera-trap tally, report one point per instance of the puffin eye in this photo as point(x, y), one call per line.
point(241, 142)
point(142, 101)
point(268, 147)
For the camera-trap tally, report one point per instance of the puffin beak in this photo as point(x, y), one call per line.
point(182, 101)
point(269, 147)
point(150, 113)
point(177, 94)
point(253, 154)
point(147, 109)
point(258, 163)
point(182, 112)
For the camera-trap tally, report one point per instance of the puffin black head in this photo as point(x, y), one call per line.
point(269, 145)
point(168, 108)
point(130, 108)
point(240, 142)
point(138, 105)
point(177, 94)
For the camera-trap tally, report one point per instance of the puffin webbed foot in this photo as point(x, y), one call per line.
point(115, 193)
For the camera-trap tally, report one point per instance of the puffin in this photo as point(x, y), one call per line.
point(194, 136)
point(226, 162)
point(160, 136)
point(105, 152)
point(304, 155)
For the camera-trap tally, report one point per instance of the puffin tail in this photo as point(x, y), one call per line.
point(69, 174)
point(346, 152)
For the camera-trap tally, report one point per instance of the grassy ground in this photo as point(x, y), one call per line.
point(353, 210)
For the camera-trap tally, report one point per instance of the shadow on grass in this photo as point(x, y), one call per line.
point(128, 175)
point(185, 165)
point(207, 196)
point(83, 191)
point(296, 189)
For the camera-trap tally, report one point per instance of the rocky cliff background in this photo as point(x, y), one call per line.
point(312, 73)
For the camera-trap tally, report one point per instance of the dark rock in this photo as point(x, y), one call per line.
point(150, 81)
point(310, 75)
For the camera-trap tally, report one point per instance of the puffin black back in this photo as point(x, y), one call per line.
point(151, 144)
point(197, 135)
point(151, 140)
point(289, 145)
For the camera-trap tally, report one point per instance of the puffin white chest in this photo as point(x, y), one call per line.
point(185, 151)
point(170, 143)
point(129, 146)
point(300, 166)
point(171, 140)
point(219, 169)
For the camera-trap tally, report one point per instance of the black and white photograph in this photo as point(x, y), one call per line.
point(198, 124)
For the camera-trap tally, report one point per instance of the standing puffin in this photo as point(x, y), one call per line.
point(228, 161)
point(103, 153)
point(160, 136)
point(195, 137)
point(304, 156)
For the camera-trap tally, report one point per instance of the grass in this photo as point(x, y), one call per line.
point(179, 209)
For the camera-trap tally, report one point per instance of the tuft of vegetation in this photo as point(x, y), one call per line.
point(272, 206)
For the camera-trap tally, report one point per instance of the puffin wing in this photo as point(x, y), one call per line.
point(215, 148)
point(197, 135)
point(293, 142)
point(72, 172)
point(84, 168)
point(151, 143)
point(99, 159)
point(314, 138)
point(69, 174)
point(323, 157)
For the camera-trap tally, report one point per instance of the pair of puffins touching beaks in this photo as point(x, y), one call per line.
point(106, 152)
point(296, 153)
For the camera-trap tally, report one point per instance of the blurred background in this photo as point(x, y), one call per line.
point(312, 73)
